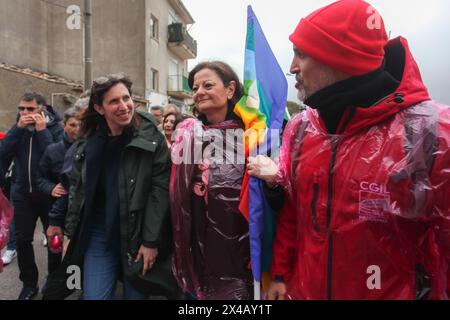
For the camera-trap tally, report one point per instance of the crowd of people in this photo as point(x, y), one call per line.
point(360, 188)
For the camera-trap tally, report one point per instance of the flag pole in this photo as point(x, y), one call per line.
point(257, 290)
point(262, 106)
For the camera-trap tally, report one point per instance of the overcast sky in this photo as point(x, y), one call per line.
point(220, 30)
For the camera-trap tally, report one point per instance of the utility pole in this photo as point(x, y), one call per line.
point(87, 44)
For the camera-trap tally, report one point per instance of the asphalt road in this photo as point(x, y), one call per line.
point(10, 285)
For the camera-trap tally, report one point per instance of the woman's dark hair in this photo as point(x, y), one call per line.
point(92, 120)
point(178, 119)
point(195, 112)
point(225, 73)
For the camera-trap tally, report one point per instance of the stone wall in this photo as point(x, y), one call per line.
point(14, 84)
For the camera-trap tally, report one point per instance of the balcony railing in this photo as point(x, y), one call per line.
point(180, 39)
point(178, 86)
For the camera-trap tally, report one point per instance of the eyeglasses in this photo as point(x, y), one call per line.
point(29, 109)
point(102, 80)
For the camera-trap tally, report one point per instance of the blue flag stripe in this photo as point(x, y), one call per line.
point(272, 90)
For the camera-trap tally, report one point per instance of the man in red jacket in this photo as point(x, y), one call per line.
point(365, 169)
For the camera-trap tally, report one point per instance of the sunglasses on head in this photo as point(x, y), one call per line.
point(29, 109)
point(102, 80)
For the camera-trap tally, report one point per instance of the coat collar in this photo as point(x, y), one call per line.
point(146, 137)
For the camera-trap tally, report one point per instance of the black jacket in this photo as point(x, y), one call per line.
point(50, 174)
point(27, 148)
point(57, 213)
point(51, 165)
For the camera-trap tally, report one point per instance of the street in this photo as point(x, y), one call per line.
point(10, 285)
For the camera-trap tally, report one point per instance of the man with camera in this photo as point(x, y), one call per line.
point(37, 127)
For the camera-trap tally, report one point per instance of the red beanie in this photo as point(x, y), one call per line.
point(2, 135)
point(347, 35)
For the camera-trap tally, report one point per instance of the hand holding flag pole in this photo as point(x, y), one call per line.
point(262, 107)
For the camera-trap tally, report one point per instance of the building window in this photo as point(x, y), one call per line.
point(154, 27)
point(155, 80)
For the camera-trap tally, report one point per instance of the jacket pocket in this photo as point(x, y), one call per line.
point(314, 207)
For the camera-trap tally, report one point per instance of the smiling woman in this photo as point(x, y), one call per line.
point(212, 247)
point(118, 199)
point(110, 104)
point(117, 108)
point(216, 90)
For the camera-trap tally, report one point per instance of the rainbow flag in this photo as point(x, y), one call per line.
point(262, 107)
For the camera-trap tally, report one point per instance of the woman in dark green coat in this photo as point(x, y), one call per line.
point(118, 218)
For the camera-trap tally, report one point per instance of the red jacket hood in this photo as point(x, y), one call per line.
point(411, 91)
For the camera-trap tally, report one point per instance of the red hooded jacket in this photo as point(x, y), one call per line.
point(367, 214)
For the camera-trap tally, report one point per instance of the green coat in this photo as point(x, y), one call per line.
point(144, 175)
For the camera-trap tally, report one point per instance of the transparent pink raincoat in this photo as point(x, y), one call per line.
point(212, 251)
point(6, 216)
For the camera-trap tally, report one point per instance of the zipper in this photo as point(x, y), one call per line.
point(314, 206)
point(334, 146)
point(123, 181)
point(29, 163)
point(334, 140)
